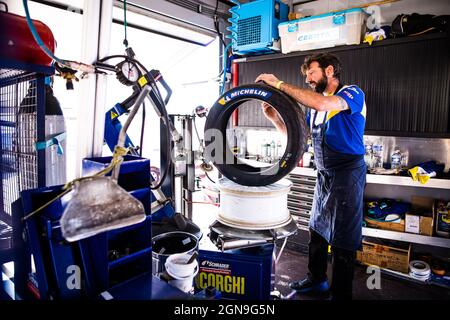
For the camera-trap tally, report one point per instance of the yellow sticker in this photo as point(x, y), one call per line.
point(222, 101)
point(283, 164)
point(142, 81)
point(113, 115)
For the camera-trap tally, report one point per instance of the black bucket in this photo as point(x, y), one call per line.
point(169, 243)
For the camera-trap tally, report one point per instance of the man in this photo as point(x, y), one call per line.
point(337, 121)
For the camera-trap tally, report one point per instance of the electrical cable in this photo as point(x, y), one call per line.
point(196, 131)
point(206, 174)
point(226, 48)
point(224, 68)
point(216, 24)
point(6, 6)
point(67, 63)
point(116, 56)
point(200, 142)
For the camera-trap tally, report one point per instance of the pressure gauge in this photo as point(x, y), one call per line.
point(128, 73)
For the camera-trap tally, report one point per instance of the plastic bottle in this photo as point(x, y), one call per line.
point(235, 147)
point(242, 146)
point(377, 155)
point(405, 159)
point(396, 159)
point(368, 156)
point(280, 150)
point(264, 149)
point(272, 151)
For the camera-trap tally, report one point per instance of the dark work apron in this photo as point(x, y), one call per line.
point(337, 210)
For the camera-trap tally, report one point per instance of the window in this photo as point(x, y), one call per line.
point(189, 69)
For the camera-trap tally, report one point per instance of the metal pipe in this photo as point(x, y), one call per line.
point(239, 244)
point(122, 135)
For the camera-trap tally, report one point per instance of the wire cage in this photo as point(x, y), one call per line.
point(22, 124)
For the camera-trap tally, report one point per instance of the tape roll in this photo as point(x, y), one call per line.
point(421, 278)
point(419, 270)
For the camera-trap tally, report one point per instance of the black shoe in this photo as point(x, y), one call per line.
point(306, 285)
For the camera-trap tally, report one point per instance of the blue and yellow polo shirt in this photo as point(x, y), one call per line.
point(344, 128)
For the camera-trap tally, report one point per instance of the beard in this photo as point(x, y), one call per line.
point(320, 85)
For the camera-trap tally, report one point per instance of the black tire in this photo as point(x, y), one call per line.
point(296, 128)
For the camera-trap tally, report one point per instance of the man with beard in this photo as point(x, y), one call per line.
point(337, 120)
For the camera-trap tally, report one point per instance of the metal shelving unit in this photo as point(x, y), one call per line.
point(387, 179)
point(407, 237)
point(301, 195)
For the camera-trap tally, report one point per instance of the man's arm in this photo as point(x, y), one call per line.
point(306, 97)
point(313, 99)
point(274, 117)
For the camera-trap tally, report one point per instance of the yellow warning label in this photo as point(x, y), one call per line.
point(142, 81)
point(224, 283)
point(113, 115)
point(222, 101)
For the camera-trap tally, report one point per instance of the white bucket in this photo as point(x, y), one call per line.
point(181, 271)
point(254, 208)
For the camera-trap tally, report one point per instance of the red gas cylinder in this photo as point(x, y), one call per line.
point(17, 42)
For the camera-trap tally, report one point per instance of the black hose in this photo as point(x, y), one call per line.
point(166, 118)
point(216, 24)
point(116, 56)
point(163, 111)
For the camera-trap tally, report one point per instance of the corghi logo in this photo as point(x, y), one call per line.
point(244, 92)
point(219, 275)
point(223, 283)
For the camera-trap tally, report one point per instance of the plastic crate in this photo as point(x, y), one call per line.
point(323, 31)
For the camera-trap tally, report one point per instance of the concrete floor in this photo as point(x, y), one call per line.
point(294, 265)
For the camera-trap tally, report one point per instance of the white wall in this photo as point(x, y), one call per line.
point(388, 11)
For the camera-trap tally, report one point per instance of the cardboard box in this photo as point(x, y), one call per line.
point(412, 223)
point(392, 226)
point(421, 219)
point(385, 256)
point(419, 224)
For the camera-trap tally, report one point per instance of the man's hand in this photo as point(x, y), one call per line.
point(272, 114)
point(269, 111)
point(269, 79)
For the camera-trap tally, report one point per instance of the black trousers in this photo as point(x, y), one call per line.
point(342, 266)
